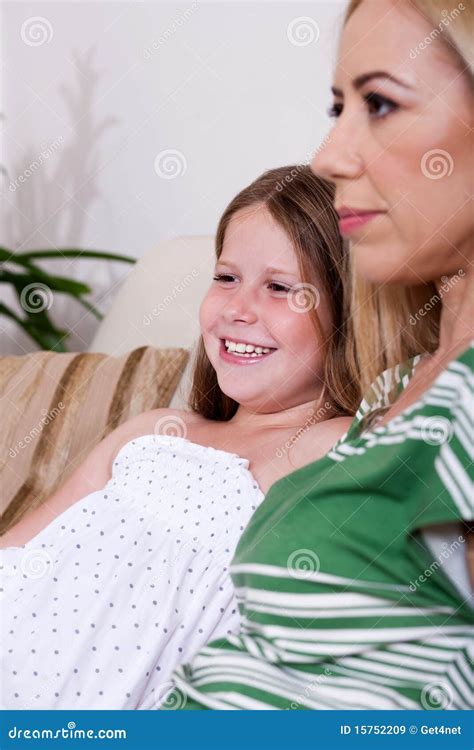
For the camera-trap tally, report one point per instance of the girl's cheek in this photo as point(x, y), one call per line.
point(211, 307)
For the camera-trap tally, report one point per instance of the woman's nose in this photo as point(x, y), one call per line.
point(339, 158)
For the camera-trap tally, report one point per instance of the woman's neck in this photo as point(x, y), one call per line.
point(457, 313)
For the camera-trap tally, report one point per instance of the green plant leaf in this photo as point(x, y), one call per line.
point(89, 306)
point(55, 283)
point(75, 253)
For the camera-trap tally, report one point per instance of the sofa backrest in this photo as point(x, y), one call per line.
point(158, 303)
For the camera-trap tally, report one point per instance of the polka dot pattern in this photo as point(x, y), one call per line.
point(101, 606)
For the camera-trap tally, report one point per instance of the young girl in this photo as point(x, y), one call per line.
point(123, 573)
point(353, 576)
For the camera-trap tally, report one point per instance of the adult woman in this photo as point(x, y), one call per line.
point(135, 561)
point(352, 574)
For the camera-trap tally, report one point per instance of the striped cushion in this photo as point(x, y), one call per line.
point(56, 407)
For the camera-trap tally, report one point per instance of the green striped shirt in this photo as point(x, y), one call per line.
point(342, 604)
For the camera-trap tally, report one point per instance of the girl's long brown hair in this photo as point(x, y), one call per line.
point(302, 204)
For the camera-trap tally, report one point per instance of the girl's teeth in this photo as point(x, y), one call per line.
point(245, 349)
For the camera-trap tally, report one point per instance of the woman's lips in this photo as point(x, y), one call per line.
point(352, 222)
point(236, 360)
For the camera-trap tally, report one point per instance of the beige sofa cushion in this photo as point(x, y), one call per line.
point(56, 407)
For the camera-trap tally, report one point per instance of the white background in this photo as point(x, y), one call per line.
point(221, 83)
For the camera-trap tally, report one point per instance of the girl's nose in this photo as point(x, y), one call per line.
point(240, 308)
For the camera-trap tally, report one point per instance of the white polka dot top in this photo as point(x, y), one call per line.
point(99, 608)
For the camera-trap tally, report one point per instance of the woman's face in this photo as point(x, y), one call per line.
point(255, 299)
point(401, 150)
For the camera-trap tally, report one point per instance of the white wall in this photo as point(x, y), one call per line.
point(111, 86)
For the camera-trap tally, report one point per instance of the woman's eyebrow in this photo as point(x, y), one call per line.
point(364, 78)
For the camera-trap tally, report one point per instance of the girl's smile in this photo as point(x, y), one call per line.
point(243, 354)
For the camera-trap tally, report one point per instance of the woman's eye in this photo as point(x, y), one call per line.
point(378, 105)
point(335, 110)
point(224, 277)
point(276, 287)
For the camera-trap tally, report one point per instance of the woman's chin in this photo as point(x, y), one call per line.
point(379, 262)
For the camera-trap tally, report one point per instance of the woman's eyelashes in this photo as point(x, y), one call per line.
point(275, 286)
point(335, 110)
point(378, 106)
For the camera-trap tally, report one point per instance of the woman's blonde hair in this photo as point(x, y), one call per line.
point(393, 322)
point(302, 204)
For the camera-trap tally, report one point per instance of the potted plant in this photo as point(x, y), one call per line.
point(35, 289)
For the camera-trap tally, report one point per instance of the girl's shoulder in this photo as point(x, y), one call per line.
point(161, 421)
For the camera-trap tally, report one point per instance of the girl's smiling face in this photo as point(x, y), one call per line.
point(401, 148)
point(255, 298)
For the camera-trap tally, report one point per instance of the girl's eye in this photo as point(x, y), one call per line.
point(379, 106)
point(223, 277)
point(335, 110)
point(276, 287)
